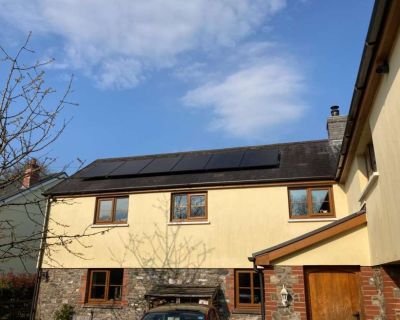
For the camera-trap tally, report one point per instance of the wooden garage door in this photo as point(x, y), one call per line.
point(333, 294)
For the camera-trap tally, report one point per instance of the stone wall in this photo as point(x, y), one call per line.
point(293, 279)
point(69, 286)
point(380, 288)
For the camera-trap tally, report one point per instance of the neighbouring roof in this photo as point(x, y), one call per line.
point(350, 222)
point(15, 189)
point(298, 161)
point(182, 291)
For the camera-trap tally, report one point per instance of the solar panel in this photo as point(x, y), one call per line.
point(226, 160)
point(193, 162)
point(101, 169)
point(159, 165)
point(130, 167)
point(260, 158)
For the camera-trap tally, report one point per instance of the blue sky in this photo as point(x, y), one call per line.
point(158, 76)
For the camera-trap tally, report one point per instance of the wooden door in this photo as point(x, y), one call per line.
point(333, 294)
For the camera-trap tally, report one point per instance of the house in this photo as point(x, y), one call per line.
point(303, 230)
point(22, 208)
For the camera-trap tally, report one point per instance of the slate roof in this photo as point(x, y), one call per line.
point(299, 161)
point(15, 188)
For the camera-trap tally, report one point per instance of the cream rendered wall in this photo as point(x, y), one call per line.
point(355, 184)
point(383, 202)
point(240, 222)
point(351, 248)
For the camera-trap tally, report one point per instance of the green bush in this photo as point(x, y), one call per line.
point(64, 313)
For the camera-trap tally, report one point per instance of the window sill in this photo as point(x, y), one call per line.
point(111, 225)
point(177, 223)
point(313, 220)
point(246, 311)
point(371, 182)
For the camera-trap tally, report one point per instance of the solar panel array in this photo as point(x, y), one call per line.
point(229, 160)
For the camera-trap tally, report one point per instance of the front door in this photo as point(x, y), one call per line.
point(333, 294)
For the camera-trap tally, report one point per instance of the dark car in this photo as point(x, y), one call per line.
point(182, 312)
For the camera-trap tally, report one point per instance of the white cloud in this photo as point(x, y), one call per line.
point(254, 100)
point(115, 41)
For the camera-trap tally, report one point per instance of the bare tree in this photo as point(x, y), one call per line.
point(31, 120)
point(29, 116)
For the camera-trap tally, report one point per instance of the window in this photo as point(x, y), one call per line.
point(105, 286)
point(112, 210)
point(189, 206)
point(311, 202)
point(247, 289)
point(370, 161)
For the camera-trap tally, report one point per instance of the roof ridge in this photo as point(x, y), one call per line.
point(170, 154)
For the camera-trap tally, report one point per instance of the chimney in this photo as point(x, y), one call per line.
point(336, 126)
point(31, 175)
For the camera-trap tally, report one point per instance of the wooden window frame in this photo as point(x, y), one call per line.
point(189, 218)
point(91, 300)
point(246, 306)
point(310, 214)
point(370, 159)
point(114, 206)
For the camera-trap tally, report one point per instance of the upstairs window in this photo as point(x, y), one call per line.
point(370, 162)
point(310, 202)
point(189, 207)
point(105, 286)
point(247, 289)
point(111, 210)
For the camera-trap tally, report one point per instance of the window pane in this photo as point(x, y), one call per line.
point(198, 200)
point(298, 209)
point(98, 292)
point(198, 212)
point(299, 195)
point(121, 210)
point(99, 278)
point(298, 202)
point(197, 204)
point(256, 280)
point(257, 296)
point(105, 210)
point(180, 206)
point(244, 279)
point(180, 200)
point(180, 213)
point(244, 295)
point(115, 293)
point(320, 199)
point(116, 277)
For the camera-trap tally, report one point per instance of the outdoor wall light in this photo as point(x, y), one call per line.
point(285, 296)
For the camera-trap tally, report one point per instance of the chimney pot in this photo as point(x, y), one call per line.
point(335, 111)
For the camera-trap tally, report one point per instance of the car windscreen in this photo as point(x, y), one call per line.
point(175, 315)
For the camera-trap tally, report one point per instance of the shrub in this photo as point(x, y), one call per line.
point(16, 286)
point(64, 313)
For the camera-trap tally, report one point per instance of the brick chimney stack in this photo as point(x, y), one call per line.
point(336, 126)
point(31, 175)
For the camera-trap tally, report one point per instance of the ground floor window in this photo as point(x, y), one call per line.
point(105, 285)
point(247, 289)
